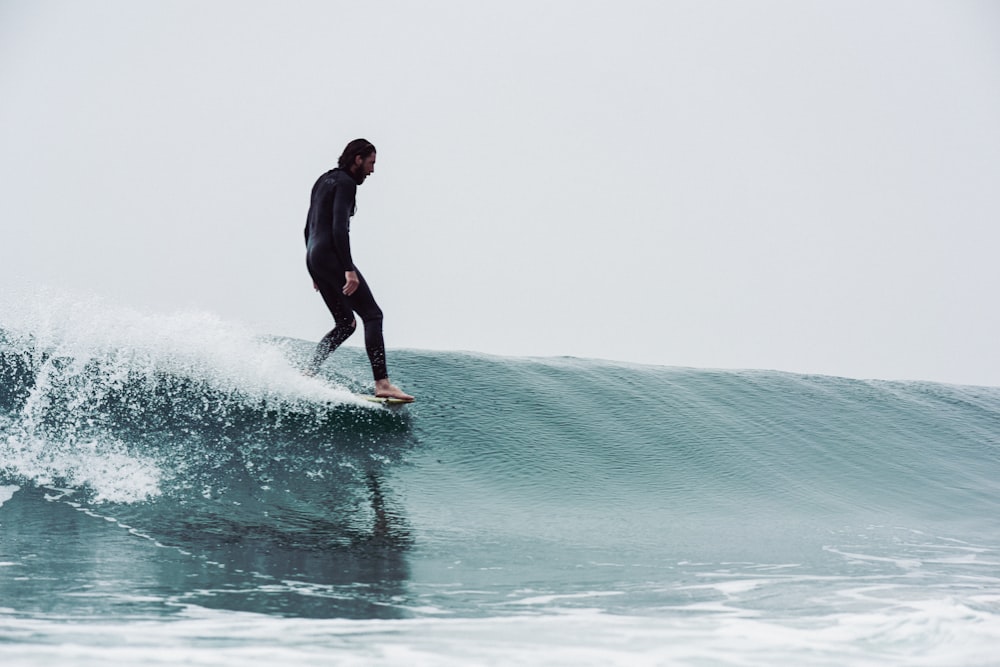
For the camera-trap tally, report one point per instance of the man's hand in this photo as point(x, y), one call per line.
point(352, 282)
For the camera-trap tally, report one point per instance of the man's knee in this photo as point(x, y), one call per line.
point(372, 317)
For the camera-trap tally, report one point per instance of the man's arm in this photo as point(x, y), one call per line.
point(343, 203)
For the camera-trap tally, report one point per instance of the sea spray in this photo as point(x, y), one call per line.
point(95, 393)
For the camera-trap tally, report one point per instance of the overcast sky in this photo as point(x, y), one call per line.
point(792, 185)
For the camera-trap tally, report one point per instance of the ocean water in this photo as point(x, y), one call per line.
point(174, 491)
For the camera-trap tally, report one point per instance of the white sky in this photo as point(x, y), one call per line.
point(803, 186)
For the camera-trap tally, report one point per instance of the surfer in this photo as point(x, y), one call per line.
point(328, 258)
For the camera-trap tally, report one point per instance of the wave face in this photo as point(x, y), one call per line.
point(177, 466)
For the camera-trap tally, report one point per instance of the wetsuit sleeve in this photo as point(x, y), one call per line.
point(343, 205)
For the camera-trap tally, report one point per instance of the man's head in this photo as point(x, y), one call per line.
point(358, 159)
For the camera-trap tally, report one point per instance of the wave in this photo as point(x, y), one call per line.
point(124, 406)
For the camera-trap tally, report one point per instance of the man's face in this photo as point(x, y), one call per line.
point(363, 167)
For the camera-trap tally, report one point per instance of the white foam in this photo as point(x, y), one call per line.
point(7, 492)
point(548, 599)
point(111, 473)
point(902, 563)
point(82, 349)
point(194, 344)
point(932, 632)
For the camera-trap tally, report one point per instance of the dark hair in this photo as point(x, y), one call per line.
point(361, 147)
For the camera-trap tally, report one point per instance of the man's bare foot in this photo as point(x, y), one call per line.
point(385, 389)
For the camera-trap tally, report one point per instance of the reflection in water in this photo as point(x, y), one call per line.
point(284, 526)
point(317, 533)
point(388, 529)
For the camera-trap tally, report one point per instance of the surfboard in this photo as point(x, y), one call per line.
point(383, 400)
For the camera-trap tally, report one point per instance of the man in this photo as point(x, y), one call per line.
point(329, 260)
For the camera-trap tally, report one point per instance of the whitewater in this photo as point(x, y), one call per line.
point(173, 490)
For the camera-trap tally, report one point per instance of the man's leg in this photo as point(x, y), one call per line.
point(344, 326)
point(363, 303)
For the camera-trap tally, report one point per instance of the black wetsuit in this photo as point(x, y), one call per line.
point(328, 257)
